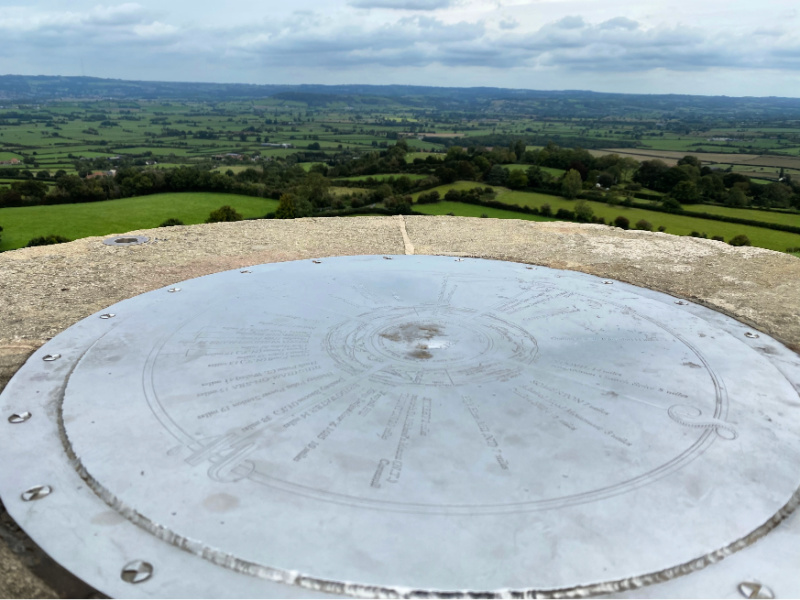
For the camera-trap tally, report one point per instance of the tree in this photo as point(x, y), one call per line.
point(622, 222)
point(739, 240)
point(497, 176)
point(1, 233)
point(643, 225)
point(517, 179)
point(292, 206)
point(315, 190)
point(583, 212)
point(572, 184)
point(398, 205)
point(627, 166)
point(736, 198)
point(537, 177)
point(605, 179)
point(685, 192)
point(171, 222)
point(224, 214)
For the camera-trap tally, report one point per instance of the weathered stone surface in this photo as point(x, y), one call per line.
point(44, 290)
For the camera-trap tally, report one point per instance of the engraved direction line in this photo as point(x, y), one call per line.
point(353, 381)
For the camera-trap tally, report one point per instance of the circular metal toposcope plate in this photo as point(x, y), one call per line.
point(420, 426)
point(126, 240)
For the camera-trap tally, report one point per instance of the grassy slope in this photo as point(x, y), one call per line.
point(676, 224)
point(470, 210)
point(118, 216)
point(767, 216)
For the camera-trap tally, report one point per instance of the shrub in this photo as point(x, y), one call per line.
point(661, 228)
point(484, 216)
point(718, 238)
point(622, 222)
point(224, 214)
point(545, 210)
point(171, 223)
point(644, 225)
point(47, 240)
point(429, 198)
point(697, 234)
point(739, 240)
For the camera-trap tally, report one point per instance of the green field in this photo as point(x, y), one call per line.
point(765, 216)
point(382, 177)
point(75, 221)
point(676, 224)
point(460, 209)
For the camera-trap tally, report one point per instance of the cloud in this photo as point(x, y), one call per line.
point(619, 23)
point(508, 24)
point(353, 41)
point(124, 14)
point(402, 4)
point(569, 23)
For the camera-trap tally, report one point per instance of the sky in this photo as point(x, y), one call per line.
point(708, 47)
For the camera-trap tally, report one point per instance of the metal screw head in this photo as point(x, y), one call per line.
point(387, 258)
point(608, 282)
point(751, 335)
point(108, 316)
point(752, 589)
point(173, 290)
point(17, 418)
point(136, 571)
point(37, 492)
point(681, 302)
point(317, 262)
point(459, 260)
point(245, 271)
point(51, 357)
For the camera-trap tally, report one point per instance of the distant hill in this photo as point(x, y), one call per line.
point(26, 89)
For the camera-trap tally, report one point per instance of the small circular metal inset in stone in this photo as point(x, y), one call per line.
point(127, 240)
point(317, 262)
point(18, 418)
point(751, 589)
point(37, 492)
point(681, 303)
point(173, 290)
point(387, 258)
point(137, 571)
point(51, 357)
point(459, 260)
point(245, 271)
point(108, 316)
point(751, 335)
point(608, 282)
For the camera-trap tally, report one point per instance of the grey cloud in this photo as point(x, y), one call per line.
point(509, 24)
point(309, 41)
point(619, 23)
point(570, 23)
point(402, 4)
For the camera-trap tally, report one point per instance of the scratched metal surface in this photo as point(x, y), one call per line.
point(384, 425)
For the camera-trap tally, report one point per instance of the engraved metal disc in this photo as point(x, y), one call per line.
point(423, 425)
